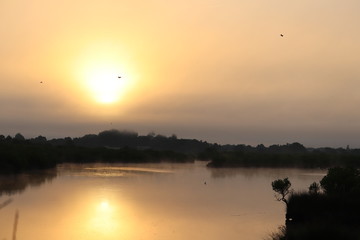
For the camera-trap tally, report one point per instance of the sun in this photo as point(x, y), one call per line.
point(104, 73)
point(106, 85)
point(104, 205)
point(105, 82)
point(104, 79)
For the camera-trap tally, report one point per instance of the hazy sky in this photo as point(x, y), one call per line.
point(216, 70)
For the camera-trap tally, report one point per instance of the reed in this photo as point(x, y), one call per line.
point(16, 220)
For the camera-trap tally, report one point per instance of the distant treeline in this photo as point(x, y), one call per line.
point(288, 155)
point(18, 154)
point(121, 139)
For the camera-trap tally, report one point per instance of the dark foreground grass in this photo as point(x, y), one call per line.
point(316, 231)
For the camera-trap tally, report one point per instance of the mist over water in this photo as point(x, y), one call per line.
point(150, 201)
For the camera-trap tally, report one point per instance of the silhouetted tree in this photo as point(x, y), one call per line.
point(341, 181)
point(19, 137)
point(333, 214)
point(295, 147)
point(151, 134)
point(282, 189)
point(39, 140)
point(8, 138)
point(279, 235)
point(314, 188)
point(69, 141)
point(260, 147)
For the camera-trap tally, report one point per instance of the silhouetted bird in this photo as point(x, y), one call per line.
point(41, 82)
point(281, 35)
point(205, 182)
point(119, 77)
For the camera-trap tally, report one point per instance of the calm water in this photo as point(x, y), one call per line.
point(147, 201)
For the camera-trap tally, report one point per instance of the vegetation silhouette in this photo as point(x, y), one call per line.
point(121, 139)
point(282, 189)
point(292, 155)
point(18, 154)
point(329, 212)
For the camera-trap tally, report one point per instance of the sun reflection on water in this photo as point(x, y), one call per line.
point(105, 220)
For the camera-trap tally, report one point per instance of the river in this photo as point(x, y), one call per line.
point(145, 201)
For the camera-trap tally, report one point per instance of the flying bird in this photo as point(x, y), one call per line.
point(281, 35)
point(119, 77)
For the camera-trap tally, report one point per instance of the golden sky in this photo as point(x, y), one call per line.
point(207, 69)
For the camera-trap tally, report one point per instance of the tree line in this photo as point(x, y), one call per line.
point(18, 154)
point(293, 155)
